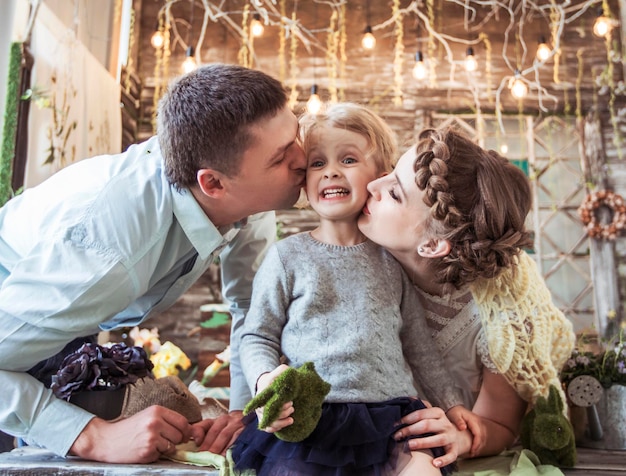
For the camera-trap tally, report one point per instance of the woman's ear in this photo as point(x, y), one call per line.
point(434, 248)
point(211, 183)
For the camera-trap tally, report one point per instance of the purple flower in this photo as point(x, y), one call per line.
point(93, 367)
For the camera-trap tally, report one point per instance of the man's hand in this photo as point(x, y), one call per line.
point(217, 435)
point(141, 438)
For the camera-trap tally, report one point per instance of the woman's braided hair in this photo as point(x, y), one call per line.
point(478, 202)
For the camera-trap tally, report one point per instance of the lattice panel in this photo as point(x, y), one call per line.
point(548, 151)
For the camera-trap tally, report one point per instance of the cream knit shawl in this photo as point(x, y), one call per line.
point(529, 339)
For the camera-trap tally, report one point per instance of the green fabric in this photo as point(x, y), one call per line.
point(188, 453)
point(515, 463)
point(10, 123)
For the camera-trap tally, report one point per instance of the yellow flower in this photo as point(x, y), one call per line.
point(169, 360)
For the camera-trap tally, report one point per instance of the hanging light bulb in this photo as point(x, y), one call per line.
point(256, 26)
point(157, 39)
point(518, 87)
point(190, 62)
point(419, 70)
point(543, 50)
point(314, 104)
point(369, 40)
point(504, 149)
point(470, 60)
point(602, 25)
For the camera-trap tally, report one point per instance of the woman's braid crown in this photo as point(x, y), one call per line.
point(478, 202)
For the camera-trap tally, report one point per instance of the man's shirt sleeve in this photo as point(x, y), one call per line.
point(239, 263)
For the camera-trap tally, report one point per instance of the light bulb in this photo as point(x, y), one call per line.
point(543, 50)
point(256, 27)
point(369, 40)
point(519, 88)
point(602, 26)
point(419, 70)
point(190, 62)
point(470, 60)
point(157, 39)
point(314, 104)
point(504, 149)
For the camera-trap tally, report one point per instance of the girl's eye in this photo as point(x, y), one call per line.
point(349, 160)
point(316, 163)
point(393, 195)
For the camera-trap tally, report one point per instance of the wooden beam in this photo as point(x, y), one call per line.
point(602, 252)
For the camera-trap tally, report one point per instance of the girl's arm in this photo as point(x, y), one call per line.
point(501, 410)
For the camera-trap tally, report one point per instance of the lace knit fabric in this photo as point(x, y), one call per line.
point(456, 328)
point(529, 338)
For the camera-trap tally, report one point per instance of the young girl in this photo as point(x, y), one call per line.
point(454, 215)
point(335, 298)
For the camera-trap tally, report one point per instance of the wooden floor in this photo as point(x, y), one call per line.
point(594, 462)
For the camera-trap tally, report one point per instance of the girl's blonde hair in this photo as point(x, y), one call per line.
point(355, 118)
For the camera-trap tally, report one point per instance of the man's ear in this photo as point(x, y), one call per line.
point(211, 183)
point(434, 248)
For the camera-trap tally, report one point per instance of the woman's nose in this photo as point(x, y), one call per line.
point(374, 189)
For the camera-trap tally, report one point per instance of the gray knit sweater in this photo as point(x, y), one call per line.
point(353, 312)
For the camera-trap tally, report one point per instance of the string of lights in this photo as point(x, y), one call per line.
point(461, 47)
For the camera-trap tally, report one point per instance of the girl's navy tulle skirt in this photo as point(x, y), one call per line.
point(350, 439)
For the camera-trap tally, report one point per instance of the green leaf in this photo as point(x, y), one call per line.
point(218, 319)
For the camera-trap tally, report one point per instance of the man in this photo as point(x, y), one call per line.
point(110, 241)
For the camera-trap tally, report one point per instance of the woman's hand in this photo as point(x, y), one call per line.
point(284, 418)
point(444, 433)
point(464, 419)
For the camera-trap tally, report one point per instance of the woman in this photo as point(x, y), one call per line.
point(453, 215)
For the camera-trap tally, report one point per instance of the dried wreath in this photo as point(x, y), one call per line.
point(587, 213)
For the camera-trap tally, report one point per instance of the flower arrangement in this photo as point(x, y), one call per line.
point(169, 360)
point(608, 365)
point(148, 339)
point(221, 361)
point(97, 367)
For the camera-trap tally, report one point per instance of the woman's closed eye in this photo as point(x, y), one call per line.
point(394, 196)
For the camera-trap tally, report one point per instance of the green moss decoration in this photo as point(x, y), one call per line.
point(302, 386)
point(548, 433)
point(10, 123)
